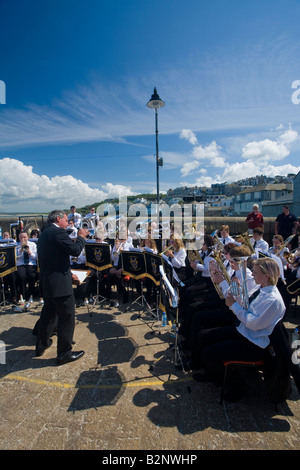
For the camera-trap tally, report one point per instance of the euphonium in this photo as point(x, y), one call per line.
point(194, 255)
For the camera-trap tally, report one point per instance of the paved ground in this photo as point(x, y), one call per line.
point(125, 393)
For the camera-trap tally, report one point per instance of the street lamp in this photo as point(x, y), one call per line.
point(154, 103)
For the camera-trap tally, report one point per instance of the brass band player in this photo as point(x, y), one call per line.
point(26, 254)
point(114, 275)
point(177, 256)
point(249, 339)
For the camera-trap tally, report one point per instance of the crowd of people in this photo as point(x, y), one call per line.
point(233, 289)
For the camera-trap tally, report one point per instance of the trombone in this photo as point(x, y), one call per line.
point(168, 248)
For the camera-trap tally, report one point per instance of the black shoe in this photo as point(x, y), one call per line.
point(40, 351)
point(69, 356)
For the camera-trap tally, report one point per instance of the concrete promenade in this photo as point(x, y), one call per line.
point(125, 393)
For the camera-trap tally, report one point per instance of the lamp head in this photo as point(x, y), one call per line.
point(155, 102)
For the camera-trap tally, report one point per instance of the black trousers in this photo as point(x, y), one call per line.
point(26, 273)
point(62, 308)
point(224, 344)
point(198, 319)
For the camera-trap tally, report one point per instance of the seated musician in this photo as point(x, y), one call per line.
point(259, 244)
point(35, 233)
point(71, 229)
point(293, 281)
point(278, 249)
point(177, 256)
point(201, 280)
point(248, 340)
point(114, 275)
point(149, 244)
point(9, 280)
point(224, 235)
point(26, 254)
point(210, 313)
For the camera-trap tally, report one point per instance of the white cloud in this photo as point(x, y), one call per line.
point(23, 190)
point(270, 149)
point(189, 167)
point(188, 135)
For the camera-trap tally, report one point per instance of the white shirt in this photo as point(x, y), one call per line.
point(73, 234)
point(228, 239)
point(260, 246)
point(126, 246)
point(204, 268)
point(77, 219)
point(20, 254)
point(264, 312)
point(179, 258)
point(250, 284)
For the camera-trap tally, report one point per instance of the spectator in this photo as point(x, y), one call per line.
point(254, 219)
point(286, 224)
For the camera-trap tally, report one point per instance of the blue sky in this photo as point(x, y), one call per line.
point(75, 127)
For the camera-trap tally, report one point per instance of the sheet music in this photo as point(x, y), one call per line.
point(80, 273)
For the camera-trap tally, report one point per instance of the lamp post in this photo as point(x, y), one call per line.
point(155, 103)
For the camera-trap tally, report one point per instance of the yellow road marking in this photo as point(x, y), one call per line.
point(151, 383)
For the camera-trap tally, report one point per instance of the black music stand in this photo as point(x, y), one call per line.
point(134, 266)
point(98, 256)
point(153, 262)
point(173, 300)
point(8, 265)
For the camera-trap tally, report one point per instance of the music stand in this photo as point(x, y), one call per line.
point(153, 262)
point(173, 301)
point(134, 266)
point(8, 265)
point(98, 256)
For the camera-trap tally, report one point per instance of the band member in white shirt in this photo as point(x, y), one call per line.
point(177, 257)
point(75, 216)
point(26, 254)
point(249, 338)
point(259, 244)
point(225, 237)
point(114, 275)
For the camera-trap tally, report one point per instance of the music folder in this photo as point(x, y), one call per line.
point(8, 263)
point(98, 256)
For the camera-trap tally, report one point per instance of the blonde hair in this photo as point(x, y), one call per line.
point(270, 267)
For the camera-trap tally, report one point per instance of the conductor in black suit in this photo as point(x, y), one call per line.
point(54, 250)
